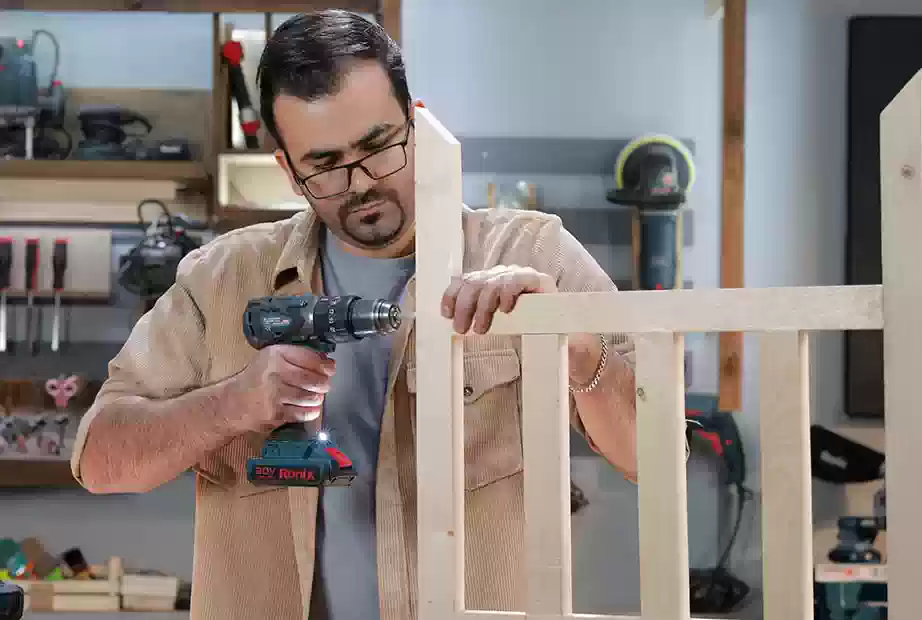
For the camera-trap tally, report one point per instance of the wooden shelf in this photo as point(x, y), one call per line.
point(230, 218)
point(179, 171)
point(191, 6)
point(29, 473)
point(43, 297)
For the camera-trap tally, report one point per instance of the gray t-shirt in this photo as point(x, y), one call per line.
point(346, 581)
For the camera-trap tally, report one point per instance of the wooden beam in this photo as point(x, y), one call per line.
point(391, 17)
point(733, 192)
point(807, 308)
point(901, 219)
point(440, 397)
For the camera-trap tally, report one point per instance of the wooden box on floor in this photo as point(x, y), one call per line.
point(149, 592)
point(89, 595)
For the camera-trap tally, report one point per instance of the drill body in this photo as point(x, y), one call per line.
point(291, 455)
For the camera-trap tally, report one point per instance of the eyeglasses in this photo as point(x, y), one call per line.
point(335, 181)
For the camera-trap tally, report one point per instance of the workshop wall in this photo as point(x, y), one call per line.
point(599, 69)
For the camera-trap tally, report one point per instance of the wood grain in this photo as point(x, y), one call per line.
point(901, 221)
point(810, 308)
point(733, 192)
point(546, 453)
point(662, 492)
point(787, 509)
point(439, 399)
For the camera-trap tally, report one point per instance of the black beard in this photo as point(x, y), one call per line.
point(359, 201)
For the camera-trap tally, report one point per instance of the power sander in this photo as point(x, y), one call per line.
point(653, 174)
point(292, 456)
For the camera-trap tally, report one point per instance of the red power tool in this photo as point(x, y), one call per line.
point(232, 53)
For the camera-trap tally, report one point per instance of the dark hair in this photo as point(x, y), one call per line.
point(308, 54)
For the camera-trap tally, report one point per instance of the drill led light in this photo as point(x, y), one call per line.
point(322, 436)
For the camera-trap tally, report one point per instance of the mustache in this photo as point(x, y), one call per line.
point(358, 201)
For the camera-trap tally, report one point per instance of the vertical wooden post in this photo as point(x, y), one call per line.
point(663, 488)
point(440, 398)
point(733, 193)
point(901, 223)
point(787, 508)
point(546, 446)
point(391, 17)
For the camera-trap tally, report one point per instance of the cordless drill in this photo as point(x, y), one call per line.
point(292, 456)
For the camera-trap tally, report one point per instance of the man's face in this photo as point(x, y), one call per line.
point(375, 214)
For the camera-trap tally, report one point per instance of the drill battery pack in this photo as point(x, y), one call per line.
point(316, 462)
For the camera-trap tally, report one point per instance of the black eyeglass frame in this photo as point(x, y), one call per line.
point(351, 166)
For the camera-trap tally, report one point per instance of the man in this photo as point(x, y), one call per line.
point(186, 391)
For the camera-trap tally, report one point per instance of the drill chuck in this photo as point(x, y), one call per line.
point(320, 322)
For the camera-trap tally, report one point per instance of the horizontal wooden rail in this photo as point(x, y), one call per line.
point(826, 308)
point(518, 615)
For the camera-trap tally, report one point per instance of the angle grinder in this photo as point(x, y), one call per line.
point(653, 175)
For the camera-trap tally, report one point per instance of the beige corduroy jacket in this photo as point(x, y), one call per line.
point(254, 546)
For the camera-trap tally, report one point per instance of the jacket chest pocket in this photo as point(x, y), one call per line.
point(492, 418)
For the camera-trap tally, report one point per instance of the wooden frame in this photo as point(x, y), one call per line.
point(658, 319)
point(733, 192)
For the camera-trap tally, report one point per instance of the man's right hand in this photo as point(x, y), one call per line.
point(282, 384)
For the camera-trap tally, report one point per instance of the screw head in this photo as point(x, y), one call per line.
point(641, 394)
point(908, 172)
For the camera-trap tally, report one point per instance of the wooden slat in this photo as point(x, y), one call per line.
point(702, 310)
point(733, 192)
point(439, 399)
point(661, 472)
point(517, 615)
point(901, 199)
point(513, 615)
point(787, 511)
point(546, 446)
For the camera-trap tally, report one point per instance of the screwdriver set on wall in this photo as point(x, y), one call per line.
point(41, 271)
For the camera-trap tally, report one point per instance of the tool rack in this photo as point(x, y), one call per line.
point(208, 112)
point(88, 198)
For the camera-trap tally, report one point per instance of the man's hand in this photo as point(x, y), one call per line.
point(472, 299)
point(283, 383)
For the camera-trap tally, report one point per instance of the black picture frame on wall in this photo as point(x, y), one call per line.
point(884, 52)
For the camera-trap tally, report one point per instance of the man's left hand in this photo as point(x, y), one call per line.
point(472, 299)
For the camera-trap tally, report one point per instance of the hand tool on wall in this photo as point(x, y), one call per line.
point(33, 329)
point(6, 278)
point(291, 456)
point(59, 268)
point(232, 53)
point(649, 178)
